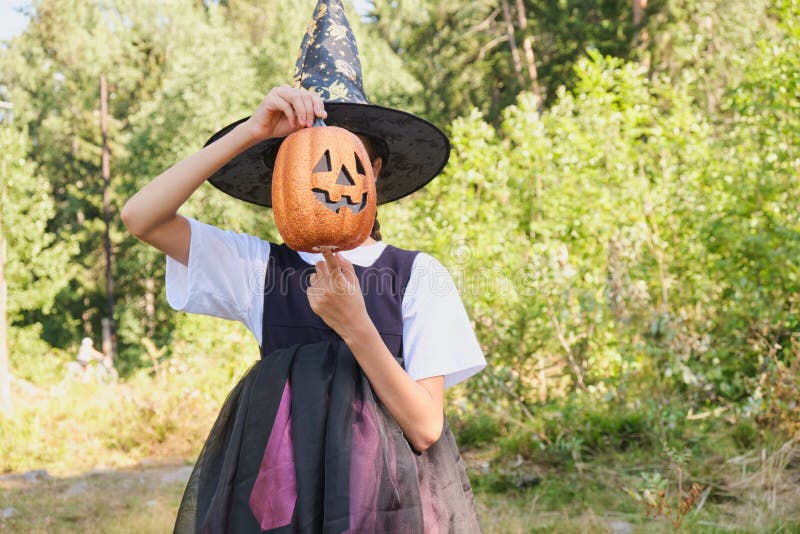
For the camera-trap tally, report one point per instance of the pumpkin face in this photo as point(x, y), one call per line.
point(323, 190)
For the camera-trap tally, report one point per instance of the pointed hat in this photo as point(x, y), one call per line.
point(414, 150)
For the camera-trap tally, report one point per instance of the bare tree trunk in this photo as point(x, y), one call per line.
point(109, 348)
point(638, 11)
point(512, 43)
point(542, 380)
point(641, 38)
point(80, 217)
point(551, 310)
point(530, 59)
point(86, 317)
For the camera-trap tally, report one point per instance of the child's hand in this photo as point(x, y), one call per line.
point(335, 295)
point(284, 110)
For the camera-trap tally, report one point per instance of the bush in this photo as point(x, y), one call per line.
point(472, 432)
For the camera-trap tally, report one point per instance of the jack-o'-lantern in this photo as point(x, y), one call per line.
point(323, 190)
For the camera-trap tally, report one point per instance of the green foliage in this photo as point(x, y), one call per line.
point(461, 50)
point(33, 359)
point(36, 263)
point(177, 73)
point(627, 252)
point(563, 232)
point(37, 266)
point(707, 43)
point(163, 415)
point(476, 431)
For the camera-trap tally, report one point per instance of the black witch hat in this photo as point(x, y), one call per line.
point(414, 150)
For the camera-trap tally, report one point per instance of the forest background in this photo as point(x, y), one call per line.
point(620, 213)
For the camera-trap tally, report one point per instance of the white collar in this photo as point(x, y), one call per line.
point(364, 256)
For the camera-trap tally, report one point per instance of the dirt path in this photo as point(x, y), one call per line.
point(145, 498)
point(138, 499)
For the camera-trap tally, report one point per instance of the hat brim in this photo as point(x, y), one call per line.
point(418, 151)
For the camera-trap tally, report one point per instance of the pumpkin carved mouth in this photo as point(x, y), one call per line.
point(346, 201)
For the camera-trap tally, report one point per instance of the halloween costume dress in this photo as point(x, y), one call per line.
point(302, 444)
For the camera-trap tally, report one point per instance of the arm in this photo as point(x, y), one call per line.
point(151, 214)
point(417, 406)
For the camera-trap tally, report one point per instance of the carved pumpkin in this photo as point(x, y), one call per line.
point(323, 190)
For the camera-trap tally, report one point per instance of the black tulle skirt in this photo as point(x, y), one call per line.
point(302, 445)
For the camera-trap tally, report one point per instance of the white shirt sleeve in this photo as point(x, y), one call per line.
point(438, 338)
point(224, 277)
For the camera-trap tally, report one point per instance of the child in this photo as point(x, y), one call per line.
point(340, 426)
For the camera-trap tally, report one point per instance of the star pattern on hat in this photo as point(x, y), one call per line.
point(328, 60)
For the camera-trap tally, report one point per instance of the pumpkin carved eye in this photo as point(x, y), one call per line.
point(324, 163)
point(331, 203)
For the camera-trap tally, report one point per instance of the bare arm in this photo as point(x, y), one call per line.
point(152, 213)
point(416, 405)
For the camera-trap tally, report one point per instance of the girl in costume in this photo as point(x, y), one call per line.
point(340, 426)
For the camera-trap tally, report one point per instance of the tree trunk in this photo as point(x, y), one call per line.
point(86, 317)
point(638, 11)
point(641, 38)
point(512, 43)
point(530, 58)
point(112, 349)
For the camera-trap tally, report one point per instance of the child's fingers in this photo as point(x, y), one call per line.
point(322, 269)
point(305, 111)
point(300, 100)
point(347, 269)
point(345, 264)
point(287, 110)
point(340, 280)
point(319, 106)
point(288, 102)
point(330, 261)
point(312, 110)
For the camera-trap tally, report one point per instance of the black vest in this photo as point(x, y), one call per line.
point(289, 319)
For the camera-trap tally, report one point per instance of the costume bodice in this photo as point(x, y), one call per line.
point(289, 319)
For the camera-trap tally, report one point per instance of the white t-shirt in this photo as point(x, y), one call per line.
point(226, 274)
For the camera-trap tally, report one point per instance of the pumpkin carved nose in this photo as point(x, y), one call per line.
point(344, 178)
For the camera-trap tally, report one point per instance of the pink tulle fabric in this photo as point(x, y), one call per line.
point(275, 491)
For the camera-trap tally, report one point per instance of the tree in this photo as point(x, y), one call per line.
point(36, 266)
point(468, 53)
point(169, 90)
point(706, 44)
